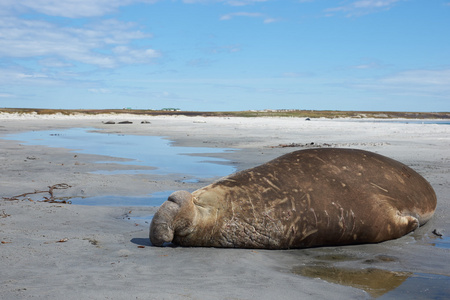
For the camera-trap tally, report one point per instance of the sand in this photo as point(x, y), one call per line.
point(62, 251)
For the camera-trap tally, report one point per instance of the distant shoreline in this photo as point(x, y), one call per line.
point(331, 114)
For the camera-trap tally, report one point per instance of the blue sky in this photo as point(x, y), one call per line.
point(226, 54)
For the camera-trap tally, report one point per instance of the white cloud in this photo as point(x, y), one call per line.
point(100, 91)
point(200, 62)
point(14, 76)
point(54, 63)
point(427, 83)
point(128, 55)
point(243, 2)
point(436, 78)
point(225, 49)
point(22, 76)
point(297, 74)
point(367, 66)
point(270, 20)
point(21, 38)
point(362, 7)
point(68, 8)
point(228, 2)
point(6, 95)
point(230, 16)
point(241, 14)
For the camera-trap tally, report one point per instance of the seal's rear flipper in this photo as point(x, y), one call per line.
point(409, 223)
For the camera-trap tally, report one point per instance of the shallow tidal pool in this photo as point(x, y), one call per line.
point(190, 164)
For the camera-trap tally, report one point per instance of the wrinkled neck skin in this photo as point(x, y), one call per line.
point(206, 219)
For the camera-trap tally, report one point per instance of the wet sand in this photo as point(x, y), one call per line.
point(54, 251)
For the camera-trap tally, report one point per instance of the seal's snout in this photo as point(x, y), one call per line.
point(162, 226)
point(160, 234)
point(161, 230)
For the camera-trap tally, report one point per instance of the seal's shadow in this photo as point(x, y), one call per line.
point(146, 242)
point(141, 241)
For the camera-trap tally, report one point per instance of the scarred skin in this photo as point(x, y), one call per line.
point(307, 198)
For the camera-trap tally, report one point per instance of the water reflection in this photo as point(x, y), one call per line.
point(442, 242)
point(376, 282)
point(422, 286)
point(150, 151)
point(155, 199)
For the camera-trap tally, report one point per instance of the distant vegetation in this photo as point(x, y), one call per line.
point(253, 113)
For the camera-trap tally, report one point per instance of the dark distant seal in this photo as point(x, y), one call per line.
point(307, 198)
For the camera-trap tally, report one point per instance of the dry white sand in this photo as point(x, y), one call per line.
point(61, 251)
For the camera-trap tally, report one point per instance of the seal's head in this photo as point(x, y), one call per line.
point(174, 215)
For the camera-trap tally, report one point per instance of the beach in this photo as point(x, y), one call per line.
point(57, 250)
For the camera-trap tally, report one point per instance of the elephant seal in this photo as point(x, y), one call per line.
point(307, 198)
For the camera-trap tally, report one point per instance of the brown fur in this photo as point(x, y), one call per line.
point(306, 198)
